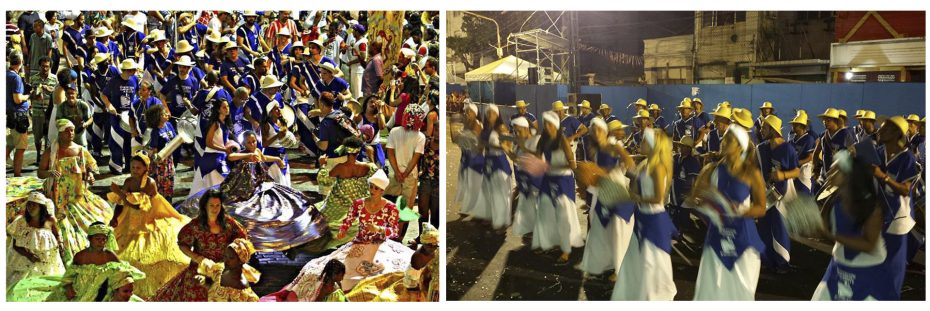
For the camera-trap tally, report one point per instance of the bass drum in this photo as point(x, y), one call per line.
point(188, 124)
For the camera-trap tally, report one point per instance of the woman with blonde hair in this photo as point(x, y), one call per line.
point(731, 260)
point(646, 273)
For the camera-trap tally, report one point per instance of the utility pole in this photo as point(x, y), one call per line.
point(573, 50)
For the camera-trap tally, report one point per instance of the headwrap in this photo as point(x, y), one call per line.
point(39, 198)
point(63, 124)
point(243, 248)
point(521, 122)
point(379, 179)
point(107, 231)
point(413, 117)
point(599, 123)
point(551, 118)
point(472, 107)
point(429, 234)
point(368, 132)
point(144, 156)
point(343, 150)
point(649, 136)
point(741, 137)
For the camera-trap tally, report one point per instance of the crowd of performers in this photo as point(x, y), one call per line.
point(231, 99)
point(740, 182)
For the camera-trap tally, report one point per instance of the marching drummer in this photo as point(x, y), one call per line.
point(804, 144)
point(713, 133)
point(522, 112)
point(571, 126)
point(687, 124)
point(643, 122)
point(585, 116)
point(835, 138)
point(866, 127)
point(915, 137)
point(764, 111)
point(685, 166)
point(117, 98)
point(778, 162)
point(656, 114)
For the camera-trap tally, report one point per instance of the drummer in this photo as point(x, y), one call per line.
point(712, 136)
point(765, 110)
point(269, 91)
point(778, 162)
point(804, 144)
point(604, 112)
point(866, 127)
point(571, 126)
point(687, 124)
point(522, 112)
point(179, 91)
point(642, 120)
point(117, 98)
point(585, 116)
point(915, 137)
point(234, 68)
point(145, 100)
point(835, 138)
point(685, 166)
point(656, 114)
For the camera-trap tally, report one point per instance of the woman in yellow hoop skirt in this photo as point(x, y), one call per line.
point(146, 228)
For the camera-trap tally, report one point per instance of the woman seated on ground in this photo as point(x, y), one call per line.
point(228, 281)
point(146, 227)
point(33, 248)
point(371, 253)
point(121, 284)
point(419, 283)
point(204, 237)
point(278, 217)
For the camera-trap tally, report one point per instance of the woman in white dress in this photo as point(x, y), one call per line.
point(494, 202)
point(557, 214)
point(273, 132)
point(609, 227)
point(731, 259)
point(472, 164)
point(210, 167)
point(528, 186)
point(646, 272)
point(34, 248)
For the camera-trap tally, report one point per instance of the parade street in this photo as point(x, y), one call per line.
point(486, 265)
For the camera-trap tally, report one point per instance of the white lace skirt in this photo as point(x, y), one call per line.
point(716, 282)
point(494, 200)
point(525, 217)
point(557, 225)
point(606, 246)
point(646, 274)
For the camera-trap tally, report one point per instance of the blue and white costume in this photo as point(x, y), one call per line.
point(557, 216)
point(898, 215)
point(804, 145)
point(730, 262)
point(772, 227)
point(210, 168)
point(494, 202)
point(121, 93)
point(854, 275)
point(646, 273)
point(528, 190)
point(471, 175)
point(610, 227)
point(280, 175)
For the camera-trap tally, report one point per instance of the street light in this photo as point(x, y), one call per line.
point(500, 50)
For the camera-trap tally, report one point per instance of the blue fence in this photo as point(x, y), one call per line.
point(883, 98)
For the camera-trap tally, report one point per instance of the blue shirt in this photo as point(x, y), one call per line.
point(194, 34)
point(530, 118)
point(686, 127)
point(900, 168)
point(160, 137)
point(275, 57)
point(782, 158)
point(139, 109)
point(570, 125)
point(586, 120)
point(103, 75)
point(328, 128)
point(234, 70)
point(337, 86)
point(14, 84)
point(122, 93)
point(177, 89)
point(250, 35)
point(804, 145)
point(206, 107)
point(258, 102)
point(130, 41)
point(73, 38)
point(830, 144)
point(686, 170)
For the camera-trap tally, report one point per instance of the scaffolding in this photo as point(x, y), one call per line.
point(549, 46)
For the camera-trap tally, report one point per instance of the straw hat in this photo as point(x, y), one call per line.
point(830, 113)
point(867, 115)
point(102, 32)
point(129, 22)
point(641, 114)
point(724, 104)
point(521, 103)
point(723, 112)
point(696, 100)
point(616, 125)
point(603, 107)
point(742, 117)
point(214, 36)
point(859, 113)
point(654, 107)
point(913, 118)
point(585, 104)
point(558, 106)
point(329, 67)
point(231, 45)
point(99, 57)
point(767, 105)
point(184, 47)
point(379, 179)
point(685, 104)
point(249, 13)
point(843, 113)
point(774, 122)
point(686, 140)
point(641, 102)
point(270, 81)
point(157, 35)
point(801, 118)
point(316, 42)
point(128, 64)
point(900, 123)
point(284, 32)
point(185, 61)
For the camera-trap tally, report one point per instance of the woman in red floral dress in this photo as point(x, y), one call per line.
point(206, 236)
point(373, 252)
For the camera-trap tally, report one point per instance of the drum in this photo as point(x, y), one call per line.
point(124, 121)
point(187, 123)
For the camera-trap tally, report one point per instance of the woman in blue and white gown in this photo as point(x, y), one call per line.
point(646, 272)
point(528, 186)
point(471, 171)
point(610, 227)
point(494, 198)
point(856, 271)
point(557, 215)
point(274, 131)
point(731, 260)
point(210, 168)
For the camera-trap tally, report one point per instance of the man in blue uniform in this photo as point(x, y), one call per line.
point(778, 162)
point(118, 97)
point(522, 112)
point(572, 128)
point(585, 116)
point(804, 144)
point(764, 111)
point(835, 138)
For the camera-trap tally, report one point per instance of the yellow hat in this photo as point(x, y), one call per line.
point(99, 57)
point(723, 112)
point(558, 106)
point(843, 113)
point(585, 104)
point(859, 113)
point(767, 105)
point(654, 107)
point(913, 118)
point(641, 114)
point(774, 122)
point(830, 113)
point(616, 125)
point(742, 117)
point(128, 64)
point(685, 103)
point(521, 103)
point(802, 112)
point(184, 47)
point(603, 106)
point(867, 115)
point(724, 104)
point(900, 123)
point(801, 118)
point(696, 100)
point(923, 120)
point(686, 140)
point(641, 102)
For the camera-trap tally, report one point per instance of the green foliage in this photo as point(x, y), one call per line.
point(479, 38)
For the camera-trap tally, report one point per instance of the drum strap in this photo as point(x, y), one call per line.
point(212, 93)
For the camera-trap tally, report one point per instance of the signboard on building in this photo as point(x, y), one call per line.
point(872, 76)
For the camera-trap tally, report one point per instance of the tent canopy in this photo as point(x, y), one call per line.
point(507, 68)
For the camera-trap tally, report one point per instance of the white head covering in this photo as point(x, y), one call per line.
point(649, 136)
point(379, 179)
point(39, 198)
point(551, 117)
point(742, 137)
point(472, 107)
point(521, 122)
point(599, 123)
point(493, 107)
